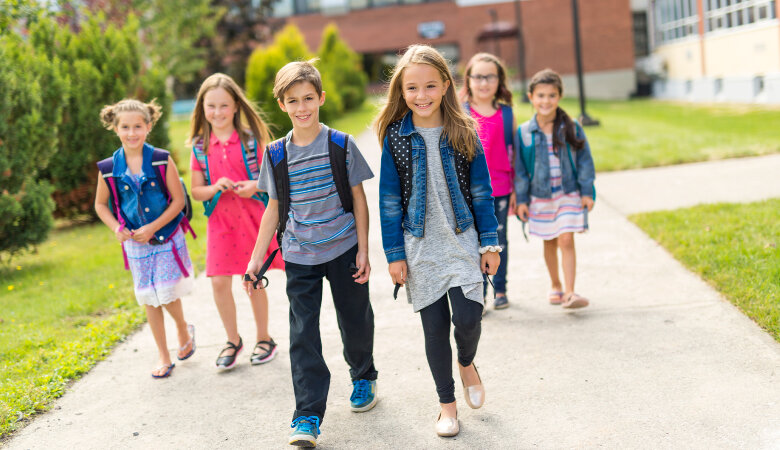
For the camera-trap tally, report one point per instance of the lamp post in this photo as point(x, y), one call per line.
point(585, 120)
point(520, 51)
point(494, 19)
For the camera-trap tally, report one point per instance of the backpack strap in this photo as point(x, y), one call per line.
point(106, 168)
point(337, 150)
point(276, 150)
point(509, 119)
point(527, 149)
point(252, 165)
point(160, 164)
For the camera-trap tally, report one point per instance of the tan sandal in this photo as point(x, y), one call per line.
point(575, 300)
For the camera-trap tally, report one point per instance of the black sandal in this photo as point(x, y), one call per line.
point(227, 362)
point(266, 355)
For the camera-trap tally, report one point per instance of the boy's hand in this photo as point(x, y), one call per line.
point(144, 234)
point(587, 202)
point(223, 184)
point(245, 188)
point(490, 262)
point(251, 269)
point(363, 267)
point(521, 211)
point(398, 271)
point(122, 235)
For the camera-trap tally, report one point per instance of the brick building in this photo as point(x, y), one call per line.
point(378, 29)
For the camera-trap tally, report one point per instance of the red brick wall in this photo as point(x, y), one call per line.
point(607, 39)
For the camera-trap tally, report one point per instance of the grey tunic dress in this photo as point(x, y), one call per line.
point(441, 259)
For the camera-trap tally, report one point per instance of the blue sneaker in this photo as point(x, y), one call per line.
point(363, 395)
point(306, 430)
point(501, 302)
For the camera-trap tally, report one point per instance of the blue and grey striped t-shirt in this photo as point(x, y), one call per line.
point(318, 229)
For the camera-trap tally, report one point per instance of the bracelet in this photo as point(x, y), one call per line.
point(490, 248)
point(118, 227)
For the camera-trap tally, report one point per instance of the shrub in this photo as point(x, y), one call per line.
point(343, 67)
point(32, 94)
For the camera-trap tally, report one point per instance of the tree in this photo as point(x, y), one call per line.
point(343, 67)
point(32, 96)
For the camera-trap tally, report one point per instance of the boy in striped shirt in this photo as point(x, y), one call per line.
point(320, 239)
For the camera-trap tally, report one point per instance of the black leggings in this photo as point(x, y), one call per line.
point(467, 318)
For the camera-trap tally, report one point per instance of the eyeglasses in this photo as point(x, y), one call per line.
point(492, 78)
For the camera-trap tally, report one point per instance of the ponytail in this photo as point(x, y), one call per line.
point(569, 131)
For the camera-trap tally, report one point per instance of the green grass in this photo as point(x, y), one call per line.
point(646, 133)
point(734, 247)
point(359, 120)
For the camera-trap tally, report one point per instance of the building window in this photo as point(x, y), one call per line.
point(725, 14)
point(675, 19)
point(641, 44)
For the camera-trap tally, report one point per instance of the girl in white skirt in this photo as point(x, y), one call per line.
point(140, 198)
point(554, 183)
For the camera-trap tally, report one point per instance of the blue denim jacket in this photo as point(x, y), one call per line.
point(540, 186)
point(395, 221)
point(142, 207)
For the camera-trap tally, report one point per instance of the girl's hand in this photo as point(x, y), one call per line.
point(398, 271)
point(144, 234)
point(512, 204)
point(587, 202)
point(490, 262)
point(251, 269)
point(223, 184)
point(363, 267)
point(246, 188)
point(521, 211)
point(122, 235)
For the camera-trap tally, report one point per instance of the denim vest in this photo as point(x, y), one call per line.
point(395, 218)
point(142, 206)
point(540, 185)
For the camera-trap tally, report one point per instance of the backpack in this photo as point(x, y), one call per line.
point(528, 152)
point(337, 150)
point(160, 163)
point(508, 116)
point(251, 163)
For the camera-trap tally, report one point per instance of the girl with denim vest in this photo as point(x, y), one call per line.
point(488, 100)
point(147, 224)
point(554, 183)
point(438, 222)
point(226, 133)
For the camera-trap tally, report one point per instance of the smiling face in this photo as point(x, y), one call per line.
point(545, 99)
point(302, 104)
point(219, 109)
point(132, 129)
point(483, 81)
point(423, 90)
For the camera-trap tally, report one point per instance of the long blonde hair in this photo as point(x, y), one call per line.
point(246, 116)
point(459, 127)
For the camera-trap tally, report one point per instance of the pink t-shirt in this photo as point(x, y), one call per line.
point(233, 226)
point(497, 152)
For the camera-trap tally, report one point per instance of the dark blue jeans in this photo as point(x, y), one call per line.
point(310, 374)
point(502, 213)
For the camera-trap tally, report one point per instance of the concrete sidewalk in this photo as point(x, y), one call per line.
point(659, 360)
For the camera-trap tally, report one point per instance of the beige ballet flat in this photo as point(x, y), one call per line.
point(475, 394)
point(447, 427)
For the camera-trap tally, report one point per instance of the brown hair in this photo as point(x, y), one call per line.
point(458, 126)
point(246, 117)
point(296, 72)
point(551, 77)
point(503, 94)
point(109, 115)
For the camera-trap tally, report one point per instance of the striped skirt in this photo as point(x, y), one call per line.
point(551, 217)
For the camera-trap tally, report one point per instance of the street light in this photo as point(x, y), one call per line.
point(585, 120)
point(494, 18)
point(520, 51)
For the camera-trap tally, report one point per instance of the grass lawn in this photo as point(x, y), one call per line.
point(647, 133)
point(734, 247)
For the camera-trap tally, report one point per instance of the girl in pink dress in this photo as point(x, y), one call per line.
point(226, 134)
